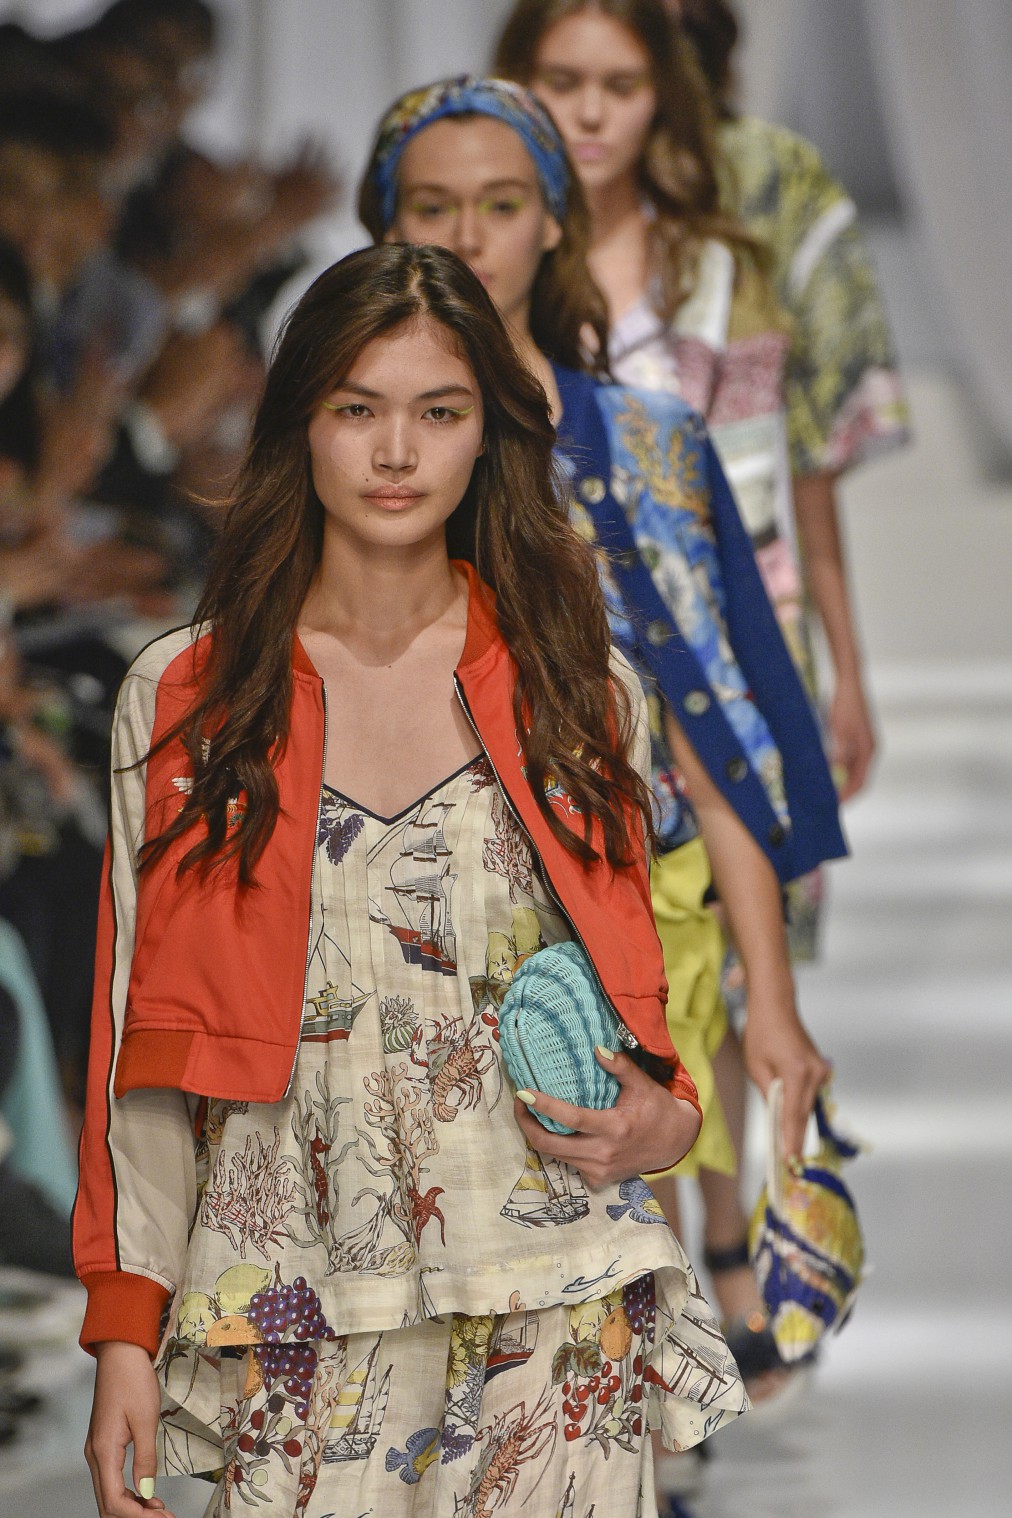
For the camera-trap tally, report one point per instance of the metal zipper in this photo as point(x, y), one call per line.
point(625, 1035)
point(309, 926)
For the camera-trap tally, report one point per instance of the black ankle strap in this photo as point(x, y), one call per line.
point(732, 1258)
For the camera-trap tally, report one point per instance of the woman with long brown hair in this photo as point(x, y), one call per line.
point(392, 761)
point(693, 312)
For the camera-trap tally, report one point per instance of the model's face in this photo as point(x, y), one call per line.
point(470, 185)
point(594, 76)
point(393, 447)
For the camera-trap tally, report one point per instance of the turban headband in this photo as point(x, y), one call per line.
point(465, 96)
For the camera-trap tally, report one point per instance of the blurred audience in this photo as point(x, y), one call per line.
point(136, 272)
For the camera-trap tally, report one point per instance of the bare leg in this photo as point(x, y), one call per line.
point(726, 1222)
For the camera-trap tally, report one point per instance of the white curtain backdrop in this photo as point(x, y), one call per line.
point(945, 74)
point(327, 68)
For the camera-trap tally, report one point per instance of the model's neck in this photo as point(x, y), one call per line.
point(379, 598)
point(613, 207)
point(519, 323)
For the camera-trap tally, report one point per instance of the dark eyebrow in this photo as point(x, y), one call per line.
point(426, 395)
point(436, 395)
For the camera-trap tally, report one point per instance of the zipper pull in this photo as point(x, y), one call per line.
point(629, 1039)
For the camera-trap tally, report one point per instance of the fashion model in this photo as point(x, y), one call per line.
point(335, 1263)
point(477, 165)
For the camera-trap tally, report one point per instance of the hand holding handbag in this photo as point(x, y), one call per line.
point(805, 1240)
point(552, 1018)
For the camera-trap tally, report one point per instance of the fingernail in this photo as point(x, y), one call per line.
point(146, 1487)
point(605, 1053)
point(527, 1097)
point(794, 1165)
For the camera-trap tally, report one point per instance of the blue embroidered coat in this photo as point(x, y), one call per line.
point(689, 610)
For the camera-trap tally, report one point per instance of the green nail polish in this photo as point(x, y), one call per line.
point(527, 1097)
point(146, 1487)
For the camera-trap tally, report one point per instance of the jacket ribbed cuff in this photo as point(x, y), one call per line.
point(124, 1307)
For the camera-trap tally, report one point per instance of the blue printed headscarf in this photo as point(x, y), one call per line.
point(470, 95)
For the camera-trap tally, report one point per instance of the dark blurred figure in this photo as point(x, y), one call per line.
point(49, 812)
point(135, 275)
point(215, 242)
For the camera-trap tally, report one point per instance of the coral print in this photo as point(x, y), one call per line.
point(250, 1195)
point(507, 852)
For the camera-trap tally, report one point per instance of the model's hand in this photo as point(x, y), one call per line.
point(647, 1129)
point(778, 1045)
point(851, 736)
point(124, 1412)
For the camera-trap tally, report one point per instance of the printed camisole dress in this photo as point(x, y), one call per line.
point(391, 1304)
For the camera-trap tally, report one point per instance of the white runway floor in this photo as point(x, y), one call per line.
point(909, 1415)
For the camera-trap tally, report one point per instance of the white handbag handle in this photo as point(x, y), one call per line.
point(774, 1157)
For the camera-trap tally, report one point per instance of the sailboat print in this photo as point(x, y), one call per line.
point(511, 1344)
point(361, 1408)
point(547, 1195)
point(422, 881)
point(331, 1013)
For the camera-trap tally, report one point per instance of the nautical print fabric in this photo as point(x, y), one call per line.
point(393, 1185)
point(545, 1413)
point(844, 397)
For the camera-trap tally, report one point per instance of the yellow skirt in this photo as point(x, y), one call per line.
point(693, 955)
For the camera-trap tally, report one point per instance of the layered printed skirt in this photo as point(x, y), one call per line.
point(544, 1413)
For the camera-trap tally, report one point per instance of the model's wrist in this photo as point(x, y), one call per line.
point(772, 1007)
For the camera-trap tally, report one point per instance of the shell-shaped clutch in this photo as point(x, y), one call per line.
point(552, 1017)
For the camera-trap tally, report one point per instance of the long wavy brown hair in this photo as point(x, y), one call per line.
point(680, 168)
point(512, 525)
point(566, 304)
point(712, 28)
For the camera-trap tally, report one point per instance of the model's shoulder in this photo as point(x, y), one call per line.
point(170, 659)
point(759, 142)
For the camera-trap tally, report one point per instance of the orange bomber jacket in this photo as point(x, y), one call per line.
point(199, 986)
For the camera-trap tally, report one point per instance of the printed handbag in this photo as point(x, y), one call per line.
point(552, 1017)
point(805, 1240)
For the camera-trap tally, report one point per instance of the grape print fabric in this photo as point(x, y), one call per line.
point(360, 1247)
point(544, 1412)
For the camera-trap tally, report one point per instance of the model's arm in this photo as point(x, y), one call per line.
point(852, 736)
point(138, 1184)
point(775, 1041)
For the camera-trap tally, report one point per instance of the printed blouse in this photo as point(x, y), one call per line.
point(392, 1184)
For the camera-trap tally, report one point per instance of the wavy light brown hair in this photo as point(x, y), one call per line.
point(680, 168)
point(565, 301)
point(512, 525)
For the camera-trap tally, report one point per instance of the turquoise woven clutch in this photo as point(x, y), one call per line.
point(551, 1019)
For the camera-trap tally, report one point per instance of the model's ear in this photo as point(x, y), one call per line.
point(552, 235)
